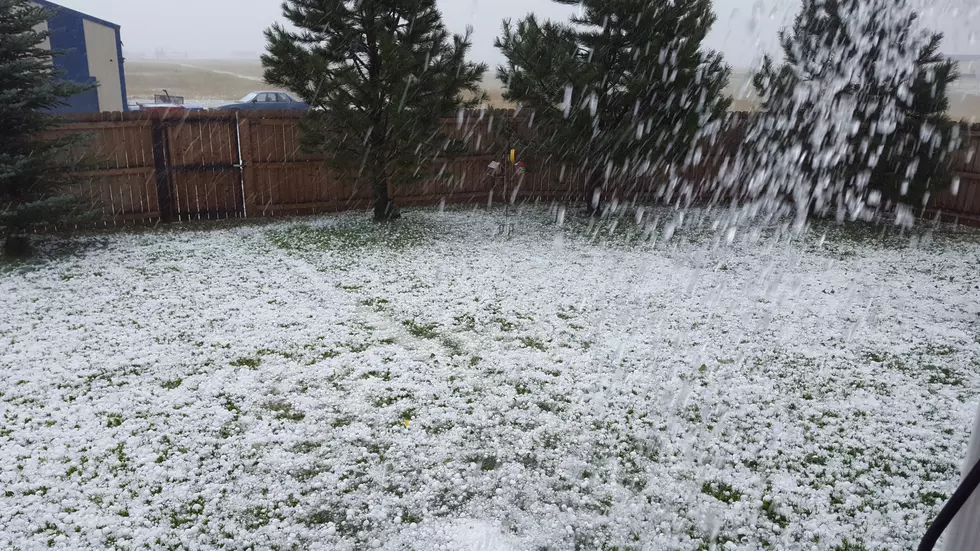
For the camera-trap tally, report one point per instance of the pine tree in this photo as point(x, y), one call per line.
point(889, 85)
point(379, 75)
point(33, 171)
point(624, 88)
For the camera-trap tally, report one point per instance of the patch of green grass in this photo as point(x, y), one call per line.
point(284, 411)
point(270, 352)
point(229, 404)
point(172, 384)
point(505, 325)
point(323, 516)
point(849, 545)
point(452, 346)
point(721, 491)
point(440, 428)
point(230, 429)
point(486, 462)
point(550, 407)
point(467, 321)
point(426, 331)
point(411, 518)
point(931, 499)
point(357, 348)
point(166, 450)
point(338, 517)
point(328, 354)
point(121, 457)
point(251, 363)
point(390, 399)
point(772, 513)
point(876, 357)
point(305, 447)
point(633, 446)
point(40, 490)
point(257, 517)
point(378, 304)
point(942, 375)
point(693, 414)
point(355, 236)
point(342, 421)
point(531, 342)
point(386, 376)
point(114, 420)
point(306, 474)
point(815, 459)
point(717, 544)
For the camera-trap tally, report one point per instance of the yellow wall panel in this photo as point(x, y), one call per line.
point(103, 64)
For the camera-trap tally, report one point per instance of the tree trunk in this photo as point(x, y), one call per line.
point(595, 184)
point(382, 202)
point(17, 245)
point(384, 208)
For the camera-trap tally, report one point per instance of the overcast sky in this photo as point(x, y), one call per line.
point(223, 28)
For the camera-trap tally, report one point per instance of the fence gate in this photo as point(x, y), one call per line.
point(199, 167)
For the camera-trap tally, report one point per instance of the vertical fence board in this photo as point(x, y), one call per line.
point(164, 190)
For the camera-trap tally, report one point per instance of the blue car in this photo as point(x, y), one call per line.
point(279, 101)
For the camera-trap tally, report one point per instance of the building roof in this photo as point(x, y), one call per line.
point(85, 16)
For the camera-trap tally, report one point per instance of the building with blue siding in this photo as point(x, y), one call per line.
point(90, 53)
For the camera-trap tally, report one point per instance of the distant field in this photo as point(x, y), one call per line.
point(964, 96)
point(200, 82)
point(213, 82)
point(965, 106)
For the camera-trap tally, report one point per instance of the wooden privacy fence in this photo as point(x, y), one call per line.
point(149, 167)
point(207, 165)
point(204, 165)
point(963, 201)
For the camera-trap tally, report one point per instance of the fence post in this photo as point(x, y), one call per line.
point(248, 170)
point(162, 169)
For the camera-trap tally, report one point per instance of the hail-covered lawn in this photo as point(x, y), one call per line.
point(331, 384)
